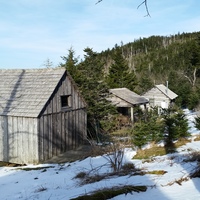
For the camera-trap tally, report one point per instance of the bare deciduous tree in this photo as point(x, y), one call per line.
point(142, 3)
point(146, 7)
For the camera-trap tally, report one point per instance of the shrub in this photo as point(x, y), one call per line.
point(114, 156)
point(145, 132)
point(81, 175)
point(128, 167)
point(171, 125)
point(193, 156)
point(140, 134)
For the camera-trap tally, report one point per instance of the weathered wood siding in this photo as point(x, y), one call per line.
point(156, 97)
point(62, 129)
point(33, 124)
point(18, 139)
point(118, 102)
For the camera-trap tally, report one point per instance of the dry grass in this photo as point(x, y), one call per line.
point(8, 164)
point(181, 142)
point(123, 132)
point(193, 156)
point(127, 169)
point(35, 168)
point(87, 179)
point(148, 153)
point(91, 177)
point(156, 172)
point(3, 164)
point(179, 181)
point(197, 138)
point(160, 151)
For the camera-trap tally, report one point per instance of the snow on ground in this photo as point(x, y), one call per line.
point(57, 181)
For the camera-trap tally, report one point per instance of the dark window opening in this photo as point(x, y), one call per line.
point(123, 110)
point(66, 101)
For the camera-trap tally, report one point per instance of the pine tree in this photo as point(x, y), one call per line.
point(148, 131)
point(72, 67)
point(70, 62)
point(119, 73)
point(176, 125)
point(94, 90)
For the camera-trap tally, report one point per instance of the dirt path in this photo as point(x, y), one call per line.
point(70, 156)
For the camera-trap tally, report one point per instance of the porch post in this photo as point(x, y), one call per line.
point(132, 116)
point(145, 108)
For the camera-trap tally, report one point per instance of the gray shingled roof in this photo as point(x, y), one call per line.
point(171, 95)
point(25, 92)
point(128, 96)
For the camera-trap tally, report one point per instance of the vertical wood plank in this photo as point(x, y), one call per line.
point(70, 128)
point(54, 134)
point(35, 141)
point(30, 133)
point(63, 132)
point(45, 138)
point(41, 140)
point(26, 141)
point(50, 136)
point(77, 133)
point(73, 129)
point(59, 136)
point(10, 139)
point(67, 130)
point(16, 138)
point(20, 138)
point(4, 138)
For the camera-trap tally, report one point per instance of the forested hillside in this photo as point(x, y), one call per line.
point(158, 59)
point(138, 66)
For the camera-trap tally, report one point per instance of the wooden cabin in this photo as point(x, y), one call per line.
point(125, 100)
point(42, 114)
point(160, 96)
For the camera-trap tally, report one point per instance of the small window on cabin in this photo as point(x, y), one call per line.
point(66, 101)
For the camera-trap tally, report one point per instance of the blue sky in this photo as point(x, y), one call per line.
point(32, 31)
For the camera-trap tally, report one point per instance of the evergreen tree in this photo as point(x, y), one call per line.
point(145, 84)
point(148, 131)
point(94, 90)
point(119, 73)
point(70, 62)
point(172, 125)
point(48, 64)
point(192, 70)
point(176, 125)
point(154, 60)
